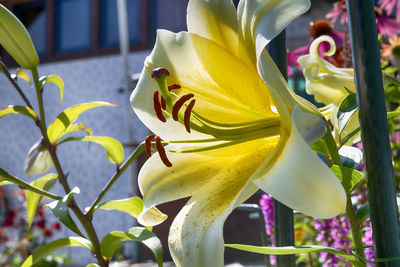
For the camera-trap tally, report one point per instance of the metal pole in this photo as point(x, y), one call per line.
point(374, 129)
point(283, 216)
point(123, 32)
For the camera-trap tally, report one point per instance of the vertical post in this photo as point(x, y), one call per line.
point(283, 216)
point(374, 130)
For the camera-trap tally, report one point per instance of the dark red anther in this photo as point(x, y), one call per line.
point(158, 72)
point(161, 151)
point(186, 117)
point(157, 107)
point(174, 86)
point(178, 104)
point(163, 103)
point(147, 144)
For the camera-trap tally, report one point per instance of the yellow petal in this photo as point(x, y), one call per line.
point(300, 180)
point(214, 20)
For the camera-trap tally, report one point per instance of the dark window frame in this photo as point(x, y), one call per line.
point(95, 50)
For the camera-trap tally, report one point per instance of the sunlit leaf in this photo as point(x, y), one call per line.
point(19, 110)
point(5, 176)
point(60, 210)
point(114, 149)
point(347, 109)
point(350, 135)
point(53, 246)
point(56, 80)
point(290, 250)
point(92, 265)
point(349, 178)
point(68, 116)
point(320, 147)
point(113, 240)
point(24, 75)
point(32, 199)
point(77, 127)
point(132, 206)
point(5, 183)
point(392, 114)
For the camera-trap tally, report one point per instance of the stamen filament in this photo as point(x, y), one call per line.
point(178, 104)
point(161, 151)
point(157, 107)
point(147, 144)
point(188, 112)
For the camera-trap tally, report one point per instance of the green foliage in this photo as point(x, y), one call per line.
point(349, 178)
point(113, 240)
point(55, 79)
point(60, 210)
point(53, 246)
point(114, 149)
point(132, 206)
point(24, 75)
point(19, 110)
point(57, 128)
point(347, 110)
point(362, 213)
point(289, 250)
point(32, 199)
point(77, 127)
point(16, 40)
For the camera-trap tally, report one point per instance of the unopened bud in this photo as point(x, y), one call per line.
point(38, 159)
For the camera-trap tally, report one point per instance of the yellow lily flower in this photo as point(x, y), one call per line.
point(231, 123)
point(329, 84)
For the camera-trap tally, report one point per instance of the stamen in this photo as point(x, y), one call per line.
point(157, 107)
point(161, 152)
point(179, 104)
point(186, 117)
point(163, 103)
point(147, 144)
point(158, 72)
point(173, 86)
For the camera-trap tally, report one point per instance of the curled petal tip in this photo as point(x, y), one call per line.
point(151, 217)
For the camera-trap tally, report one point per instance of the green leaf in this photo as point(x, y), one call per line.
point(320, 147)
point(5, 176)
point(132, 206)
point(352, 178)
point(60, 210)
point(351, 157)
point(32, 199)
point(290, 250)
point(362, 213)
point(349, 136)
point(53, 246)
point(5, 183)
point(77, 127)
point(56, 80)
point(92, 265)
point(392, 114)
point(19, 110)
point(114, 149)
point(113, 240)
point(347, 109)
point(67, 117)
point(24, 75)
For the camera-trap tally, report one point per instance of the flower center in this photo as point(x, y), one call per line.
point(180, 109)
point(320, 27)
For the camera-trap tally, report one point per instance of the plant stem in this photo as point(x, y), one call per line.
point(12, 81)
point(86, 222)
point(354, 226)
point(134, 155)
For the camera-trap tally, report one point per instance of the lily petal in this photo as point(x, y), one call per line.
point(260, 21)
point(214, 20)
point(300, 180)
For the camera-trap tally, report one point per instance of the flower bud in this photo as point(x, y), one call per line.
point(38, 159)
point(16, 40)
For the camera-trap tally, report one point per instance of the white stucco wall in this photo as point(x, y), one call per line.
point(85, 80)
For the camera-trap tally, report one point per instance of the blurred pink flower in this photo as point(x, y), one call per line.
point(389, 6)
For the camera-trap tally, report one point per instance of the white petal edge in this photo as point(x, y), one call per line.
point(300, 180)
